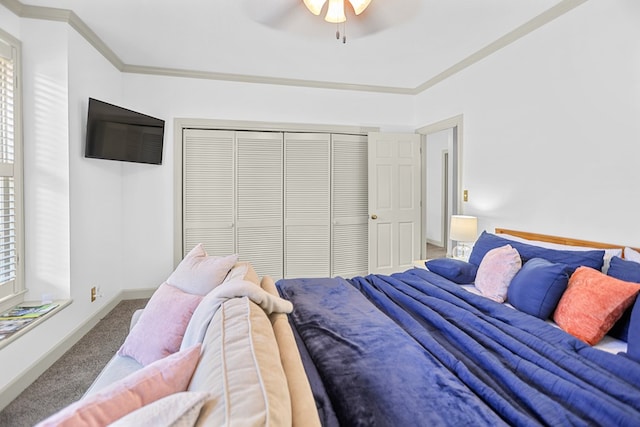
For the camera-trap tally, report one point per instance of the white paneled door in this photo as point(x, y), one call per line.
point(394, 201)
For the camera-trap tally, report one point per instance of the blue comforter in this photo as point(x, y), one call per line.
point(415, 349)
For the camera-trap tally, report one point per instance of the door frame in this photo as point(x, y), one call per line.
point(455, 123)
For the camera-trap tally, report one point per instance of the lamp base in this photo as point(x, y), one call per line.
point(461, 251)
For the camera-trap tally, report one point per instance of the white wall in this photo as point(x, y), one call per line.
point(552, 127)
point(148, 194)
point(73, 220)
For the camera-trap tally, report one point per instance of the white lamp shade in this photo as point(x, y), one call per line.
point(315, 6)
point(335, 12)
point(359, 5)
point(464, 228)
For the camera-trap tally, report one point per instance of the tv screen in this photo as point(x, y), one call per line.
point(115, 133)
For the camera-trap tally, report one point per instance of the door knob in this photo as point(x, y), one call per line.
point(374, 216)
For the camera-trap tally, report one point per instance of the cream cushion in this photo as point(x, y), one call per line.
point(303, 406)
point(243, 270)
point(240, 368)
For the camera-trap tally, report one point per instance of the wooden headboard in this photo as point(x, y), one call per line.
point(560, 240)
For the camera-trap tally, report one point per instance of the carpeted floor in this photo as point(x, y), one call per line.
point(70, 376)
point(434, 251)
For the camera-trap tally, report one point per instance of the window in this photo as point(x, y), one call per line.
point(11, 225)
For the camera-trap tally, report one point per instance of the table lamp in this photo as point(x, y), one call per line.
point(464, 228)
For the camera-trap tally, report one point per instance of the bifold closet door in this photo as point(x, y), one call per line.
point(259, 201)
point(307, 185)
point(208, 190)
point(349, 208)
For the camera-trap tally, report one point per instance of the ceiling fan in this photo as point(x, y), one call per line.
point(295, 16)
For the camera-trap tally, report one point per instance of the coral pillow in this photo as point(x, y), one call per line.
point(538, 287)
point(592, 303)
point(161, 327)
point(198, 273)
point(496, 270)
point(153, 382)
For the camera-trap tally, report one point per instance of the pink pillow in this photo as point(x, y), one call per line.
point(593, 303)
point(496, 270)
point(162, 378)
point(198, 273)
point(159, 331)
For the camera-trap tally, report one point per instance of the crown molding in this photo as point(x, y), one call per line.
point(523, 30)
point(73, 20)
point(243, 78)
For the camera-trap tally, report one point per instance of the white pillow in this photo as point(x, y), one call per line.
point(198, 273)
point(631, 255)
point(496, 270)
point(178, 409)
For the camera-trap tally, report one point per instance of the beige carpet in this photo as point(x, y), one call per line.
point(70, 376)
point(434, 251)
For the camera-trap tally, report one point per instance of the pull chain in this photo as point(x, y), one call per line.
point(344, 32)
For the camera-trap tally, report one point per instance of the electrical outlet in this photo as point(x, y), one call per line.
point(93, 294)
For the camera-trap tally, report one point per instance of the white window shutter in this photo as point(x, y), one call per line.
point(10, 194)
point(209, 193)
point(349, 216)
point(307, 205)
point(260, 200)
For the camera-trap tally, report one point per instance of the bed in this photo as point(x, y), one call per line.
point(422, 348)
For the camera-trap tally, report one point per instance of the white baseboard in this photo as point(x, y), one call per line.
point(436, 243)
point(137, 293)
point(13, 389)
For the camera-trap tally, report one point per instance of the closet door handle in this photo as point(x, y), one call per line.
point(374, 216)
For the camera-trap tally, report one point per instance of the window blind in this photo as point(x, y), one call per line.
point(8, 196)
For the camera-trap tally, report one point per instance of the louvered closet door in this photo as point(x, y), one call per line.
point(208, 190)
point(349, 217)
point(307, 205)
point(259, 201)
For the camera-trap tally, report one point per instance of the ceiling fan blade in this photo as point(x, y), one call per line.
point(383, 14)
point(273, 13)
point(292, 16)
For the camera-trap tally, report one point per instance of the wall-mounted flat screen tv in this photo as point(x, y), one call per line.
point(115, 133)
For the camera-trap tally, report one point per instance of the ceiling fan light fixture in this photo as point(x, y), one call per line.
point(359, 5)
point(314, 6)
point(335, 12)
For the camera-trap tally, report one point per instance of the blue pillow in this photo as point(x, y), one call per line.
point(623, 269)
point(456, 270)
point(538, 286)
point(628, 271)
point(633, 346)
point(573, 259)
